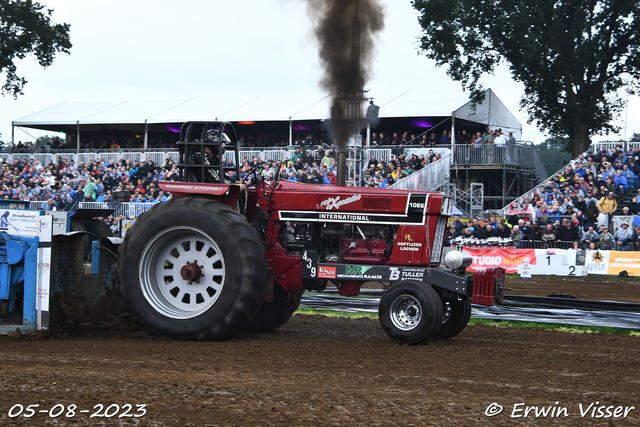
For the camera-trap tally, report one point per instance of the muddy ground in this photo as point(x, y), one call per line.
point(330, 371)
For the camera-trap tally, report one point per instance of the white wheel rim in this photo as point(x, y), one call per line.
point(163, 262)
point(406, 312)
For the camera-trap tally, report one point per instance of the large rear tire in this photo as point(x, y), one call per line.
point(273, 315)
point(410, 312)
point(457, 313)
point(193, 269)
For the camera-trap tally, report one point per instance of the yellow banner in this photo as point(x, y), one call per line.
point(624, 261)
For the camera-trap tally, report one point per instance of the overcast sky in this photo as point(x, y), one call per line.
point(235, 50)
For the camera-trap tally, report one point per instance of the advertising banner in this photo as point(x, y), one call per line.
point(613, 262)
point(19, 222)
point(505, 258)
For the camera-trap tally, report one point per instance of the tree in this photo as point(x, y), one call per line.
point(635, 137)
point(571, 55)
point(26, 28)
point(553, 154)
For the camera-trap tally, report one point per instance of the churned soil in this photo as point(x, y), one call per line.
point(597, 288)
point(318, 371)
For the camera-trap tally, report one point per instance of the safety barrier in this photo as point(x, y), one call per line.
point(559, 262)
point(128, 210)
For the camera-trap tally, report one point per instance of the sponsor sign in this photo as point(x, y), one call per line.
point(412, 273)
point(505, 258)
point(177, 187)
point(409, 246)
point(19, 222)
point(326, 272)
point(597, 262)
point(613, 262)
point(126, 225)
point(359, 272)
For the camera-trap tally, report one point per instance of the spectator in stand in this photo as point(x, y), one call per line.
point(525, 229)
point(445, 138)
point(485, 232)
point(501, 139)
point(331, 176)
point(633, 206)
point(479, 140)
point(511, 140)
point(622, 185)
point(490, 138)
point(606, 239)
point(632, 179)
point(536, 232)
point(589, 236)
point(635, 239)
point(568, 232)
point(457, 223)
point(542, 193)
point(526, 212)
point(555, 212)
point(607, 206)
point(512, 213)
point(503, 231)
point(623, 237)
point(543, 213)
point(580, 204)
point(549, 235)
point(516, 236)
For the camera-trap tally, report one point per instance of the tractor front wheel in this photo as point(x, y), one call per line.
point(410, 312)
point(193, 269)
point(457, 313)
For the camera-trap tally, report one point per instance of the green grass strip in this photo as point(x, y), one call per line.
point(574, 329)
point(336, 313)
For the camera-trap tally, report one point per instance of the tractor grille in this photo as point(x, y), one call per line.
point(438, 240)
point(376, 203)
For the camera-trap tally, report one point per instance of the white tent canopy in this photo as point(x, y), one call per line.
point(73, 117)
point(491, 112)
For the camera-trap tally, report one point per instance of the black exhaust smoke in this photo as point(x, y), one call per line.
point(346, 31)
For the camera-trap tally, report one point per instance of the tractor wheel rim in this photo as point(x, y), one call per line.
point(162, 272)
point(406, 312)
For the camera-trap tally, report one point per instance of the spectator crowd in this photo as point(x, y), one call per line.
point(63, 183)
point(321, 168)
point(576, 207)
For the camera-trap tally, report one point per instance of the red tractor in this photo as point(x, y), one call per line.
point(221, 258)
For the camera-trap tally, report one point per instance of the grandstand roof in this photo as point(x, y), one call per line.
point(131, 115)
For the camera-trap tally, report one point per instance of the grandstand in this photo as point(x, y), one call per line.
point(483, 177)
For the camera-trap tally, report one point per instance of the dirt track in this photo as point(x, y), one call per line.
point(330, 371)
point(322, 371)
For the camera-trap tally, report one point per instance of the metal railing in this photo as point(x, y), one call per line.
point(487, 154)
point(613, 145)
point(429, 178)
point(129, 210)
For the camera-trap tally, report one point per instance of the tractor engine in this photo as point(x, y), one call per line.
point(340, 243)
